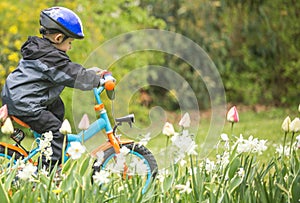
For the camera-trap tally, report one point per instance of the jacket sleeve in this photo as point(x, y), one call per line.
point(66, 73)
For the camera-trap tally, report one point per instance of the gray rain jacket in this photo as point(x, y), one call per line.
point(41, 76)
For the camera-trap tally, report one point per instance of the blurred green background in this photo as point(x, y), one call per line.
point(254, 45)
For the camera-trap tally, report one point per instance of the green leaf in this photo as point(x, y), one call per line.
point(235, 183)
point(282, 188)
point(234, 165)
point(84, 166)
point(167, 183)
point(295, 188)
point(3, 195)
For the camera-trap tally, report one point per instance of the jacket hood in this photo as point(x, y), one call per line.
point(36, 47)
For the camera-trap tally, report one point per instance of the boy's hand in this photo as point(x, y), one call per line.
point(97, 70)
point(102, 73)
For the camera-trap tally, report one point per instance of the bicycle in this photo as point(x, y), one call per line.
point(111, 148)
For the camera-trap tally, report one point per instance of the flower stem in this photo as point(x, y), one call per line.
point(292, 143)
point(232, 123)
point(167, 143)
point(285, 133)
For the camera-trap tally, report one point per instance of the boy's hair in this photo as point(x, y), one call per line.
point(50, 36)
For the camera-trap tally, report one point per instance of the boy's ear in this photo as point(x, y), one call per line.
point(59, 38)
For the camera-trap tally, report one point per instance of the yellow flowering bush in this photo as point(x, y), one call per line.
point(21, 20)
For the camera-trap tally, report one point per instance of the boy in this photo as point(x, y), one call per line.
point(32, 90)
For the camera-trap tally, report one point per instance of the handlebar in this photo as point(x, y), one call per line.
point(106, 83)
point(109, 85)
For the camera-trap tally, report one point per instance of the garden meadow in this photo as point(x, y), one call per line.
point(237, 173)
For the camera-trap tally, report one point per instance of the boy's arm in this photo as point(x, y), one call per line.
point(73, 75)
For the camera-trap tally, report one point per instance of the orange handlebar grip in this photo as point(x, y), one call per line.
point(109, 85)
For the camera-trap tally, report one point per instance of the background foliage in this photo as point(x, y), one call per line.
point(254, 44)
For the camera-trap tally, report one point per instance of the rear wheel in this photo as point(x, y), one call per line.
point(5, 158)
point(138, 166)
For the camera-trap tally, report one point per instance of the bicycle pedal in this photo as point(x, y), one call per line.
point(18, 135)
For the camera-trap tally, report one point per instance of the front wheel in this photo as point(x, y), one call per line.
point(137, 165)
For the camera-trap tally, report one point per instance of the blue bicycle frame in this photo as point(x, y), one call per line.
point(98, 125)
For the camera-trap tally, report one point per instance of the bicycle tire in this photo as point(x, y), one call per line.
point(137, 151)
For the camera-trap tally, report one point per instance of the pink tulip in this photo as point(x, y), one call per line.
point(185, 120)
point(232, 115)
point(3, 113)
point(84, 123)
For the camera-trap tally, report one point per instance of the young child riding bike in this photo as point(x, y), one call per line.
point(32, 91)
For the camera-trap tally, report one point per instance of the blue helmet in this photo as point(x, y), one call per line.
point(60, 19)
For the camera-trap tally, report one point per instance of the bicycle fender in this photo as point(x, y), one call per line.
point(108, 145)
point(14, 148)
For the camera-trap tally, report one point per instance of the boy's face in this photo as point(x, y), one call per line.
point(65, 45)
point(60, 43)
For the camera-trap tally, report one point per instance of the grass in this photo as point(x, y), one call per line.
point(264, 124)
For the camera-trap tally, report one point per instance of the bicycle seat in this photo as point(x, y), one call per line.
point(128, 119)
point(20, 122)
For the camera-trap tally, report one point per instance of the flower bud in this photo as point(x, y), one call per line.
point(7, 127)
point(185, 121)
point(84, 122)
point(65, 127)
point(232, 115)
point(3, 113)
point(168, 129)
point(295, 125)
point(286, 124)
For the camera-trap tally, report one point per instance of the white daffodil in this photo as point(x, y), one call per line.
point(182, 162)
point(184, 143)
point(162, 174)
point(100, 158)
point(76, 150)
point(48, 136)
point(7, 127)
point(209, 165)
point(299, 108)
point(44, 144)
point(138, 166)
point(84, 122)
point(224, 137)
point(168, 129)
point(252, 145)
point(298, 141)
point(241, 172)
point(48, 153)
point(145, 139)
point(286, 151)
point(295, 125)
point(101, 177)
point(286, 124)
point(185, 121)
point(124, 150)
point(223, 159)
point(65, 127)
point(184, 188)
point(118, 166)
point(27, 172)
point(122, 187)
